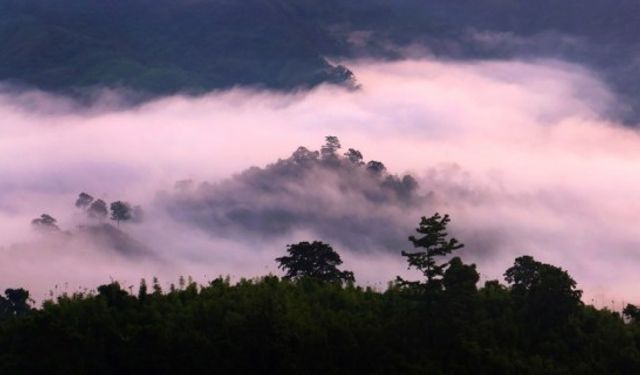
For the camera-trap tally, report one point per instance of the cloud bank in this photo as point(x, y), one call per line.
point(519, 153)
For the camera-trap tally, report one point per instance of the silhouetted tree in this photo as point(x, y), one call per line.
point(316, 260)
point(460, 277)
point(376, 167)
point(142, 290)
point(632, 312)
point(354, 156)
point(14, 303)
point(302, 155)
point(45, 223)
point(84, 200)
point(157, 289)
point(98, 209)
point(435, 243)
point(547, 293)
point(114, 295)
point(329, 149)
point(120, 211)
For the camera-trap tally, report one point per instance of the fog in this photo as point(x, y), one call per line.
point(521, 154)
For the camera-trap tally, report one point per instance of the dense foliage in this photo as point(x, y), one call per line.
point(316, 260)
point(270, 325)
point(535, 324)
point(160, 46)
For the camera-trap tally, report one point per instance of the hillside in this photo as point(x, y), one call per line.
point(153, 48)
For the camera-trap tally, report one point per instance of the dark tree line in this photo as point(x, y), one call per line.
point(315, 320)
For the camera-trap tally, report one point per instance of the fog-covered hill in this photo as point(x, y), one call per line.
point(165, 46)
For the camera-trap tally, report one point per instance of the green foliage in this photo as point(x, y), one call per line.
point(460, 277)
point(14, 303)
point(278, 326)
point(547, 293)
point(159, 47)
point(632, 312)
point(316, 260)
point(435, 242)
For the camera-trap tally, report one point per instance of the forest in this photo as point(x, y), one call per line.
point(154, 48)
point(316, 319)
point(315, 315)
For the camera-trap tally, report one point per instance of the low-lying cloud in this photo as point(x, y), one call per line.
point(519, 153)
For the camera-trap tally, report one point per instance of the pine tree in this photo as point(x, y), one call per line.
point(433, 243)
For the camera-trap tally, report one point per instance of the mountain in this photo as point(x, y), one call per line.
point(160, 47)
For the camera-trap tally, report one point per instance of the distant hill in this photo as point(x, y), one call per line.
point(159, 47)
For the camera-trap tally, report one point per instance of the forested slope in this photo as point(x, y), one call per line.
point(167, 46)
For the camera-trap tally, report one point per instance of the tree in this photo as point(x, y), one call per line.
point(315, 260)
point(632, 312)
point(114, 295)
point(546, 293)
point(84, 200)
point(303, 156)
point(376, 167)
point(460, 278)
point(45, 223)
point(329, 149)
point(354, 156)
point(14, 303)
point(142, 290)
point(120, 211)
point(435, 242)
point(98, 209)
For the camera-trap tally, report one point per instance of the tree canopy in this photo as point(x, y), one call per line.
point(84, 200)
point(121, 211)
point(98, 209)
point(433, 242)
point(316, 260)
point(546, 292)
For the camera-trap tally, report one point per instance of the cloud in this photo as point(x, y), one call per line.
point(520, 154)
